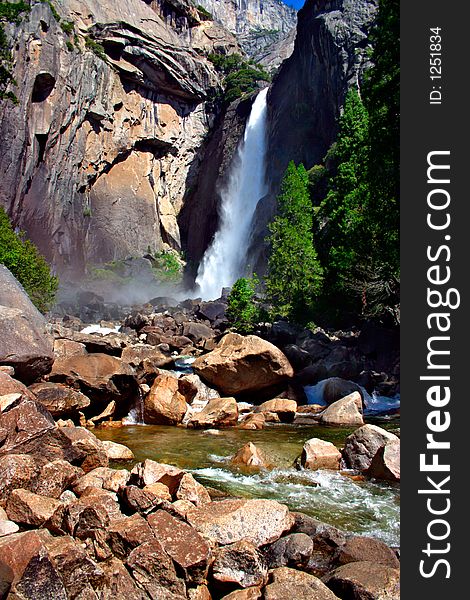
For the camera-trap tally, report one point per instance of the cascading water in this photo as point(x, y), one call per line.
point(224, 260)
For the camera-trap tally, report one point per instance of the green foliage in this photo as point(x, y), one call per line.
point(87, 211)
point(54, 12)
point(168, 266)
point(241, 76)
point(95, 47)
point(67, 27)
point(27, 265)
point(295, 276)
point(204, 14)
point(242, 312)
point(10, 12)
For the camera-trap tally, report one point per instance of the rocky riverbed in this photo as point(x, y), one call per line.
point(140, 512)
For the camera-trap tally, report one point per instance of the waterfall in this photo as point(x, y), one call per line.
point(225, 259)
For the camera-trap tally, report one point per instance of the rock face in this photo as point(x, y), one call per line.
point(25, 345)
point(118, 145)
point(243, 364)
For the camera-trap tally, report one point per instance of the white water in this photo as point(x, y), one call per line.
point(224, 260)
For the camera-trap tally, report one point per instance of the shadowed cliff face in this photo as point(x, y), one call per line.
point(97, 152)
point(308, 92)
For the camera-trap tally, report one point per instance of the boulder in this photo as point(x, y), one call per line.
point(229, 521)
point(336, 388)
point(145, 357)
point(60, 400)
point(212, 311)
point(18, 471)
point(64, 348)
point(159, 490)
point(319, 454)
point(87, 448)
point(365, 581)
point(249, 456)
point(253, 421)
point(362, 445)
point(290, 583)
point(201, 592)
point(189, 550)
point(154, 571)
point(359, 548)
point(164, 404)
point(102, 478)
point(147, 500)
point(54, 477)
point(117, 452)
point(243, 364)
point(219, 412)
point(191, 490)
point(284, 408)
point(118, 583)
point(101, 377)
point(150, 472)
point(293, 550)
point(252, 593)
point(7, 528)
point(27, 508)
point(26, 345)
point(196, 391)
point(239, 564)
point(386, 462)
point(198, 333)
point(347, 412)
point(128, 533)
point(89, 516)
point(9, 385)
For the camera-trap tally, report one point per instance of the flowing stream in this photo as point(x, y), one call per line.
point(225, 259)
point(362, 507)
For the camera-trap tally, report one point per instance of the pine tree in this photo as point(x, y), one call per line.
point(294, 276)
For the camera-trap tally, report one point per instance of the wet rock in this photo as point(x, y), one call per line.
point(285, 409)
point(362, 445)
point(365, 581)
point(118, 452)
point(386, 462)
point(191, 490)
point(60, 400)
point(359, 548)
point(336, 388)
point(183, 543)
point(164, 405)
point(229, 521)
point(126, 534)
point(219, 412)
point(293, 550)
point(26, 345)
point(290, 583)
point(347, 411)
point(253, 421)
point(243, 364)
point(239, 564)
point(150, 472)
point(319, 454)
point(27, 508)
point(249, 456)
point(154, 571)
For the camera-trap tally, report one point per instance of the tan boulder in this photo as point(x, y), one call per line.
point(145, 357)
point(243, 364)
point(60, 400)
point(361, 548)
point(27, 508)
point(347, 412)
point(64, 348)
point(102, 478)
point(158, 490)
point(239, 564)
point(365, 579)
point(7, 528)
point(362, 445)
point(320, 454)
point(229, 521)
point(191, 490)
point(386, 462)
point(127, 533)
point(149, 472)
point(249, 456)
point(290, 583)
point(164, 404)
point(251, 593)
point(284, 408)
point(9, 385)
point(218, 412)
point(253, 421)
point(117, 452)
point(87, 447)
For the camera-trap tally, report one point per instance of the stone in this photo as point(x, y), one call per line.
point(160, 490)
point(218, 412)
point(198, 333)
point(293, 550)
point(60, 400)
point(128, 533)
point(64, 348)
point(195, 390)
point(362, 445)
point(8, 527)
point(150, 472)
point(201, 592)
point(154, 571)
point(191, 490)
point(347, 411)
point(145, 501)
point(243, 364)
point(319, 454)
point(285, 409)
point(54, 477)
point(252, 593)
point(145, 357)
point(239, 564)
point(118, 582)
point(106, 415)
point(386, 463)
point(359, 548)
point(118, 452)
point(89, 515)
point(26, 345)
point(229, 521)
point(18, 471)
point(253, 421)
point(89, 449)
point(290, 583)
point(187, 548)
point(249, 456)
point(164, 404)
point(102, 478)
point(336, 388)
point(9, 385)
point(365, 581)
point(8, 401)
point(27, 508)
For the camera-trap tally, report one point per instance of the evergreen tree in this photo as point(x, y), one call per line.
point(294, 276)
point(242, 311)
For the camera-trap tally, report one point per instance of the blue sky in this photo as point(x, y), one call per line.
point(295, 3)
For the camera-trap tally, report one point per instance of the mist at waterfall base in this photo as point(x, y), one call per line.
point(225, 259)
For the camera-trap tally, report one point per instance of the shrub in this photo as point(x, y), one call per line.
point(11, 13)
point(204, 14)
point(30, 268)
point(241, 76)
point(168, 266)
point(95, 47)
point(242, 311)
point(67, 27)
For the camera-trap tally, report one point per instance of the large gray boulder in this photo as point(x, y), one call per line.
point(25, 343)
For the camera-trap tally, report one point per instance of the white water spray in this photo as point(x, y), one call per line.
point(224, 260)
